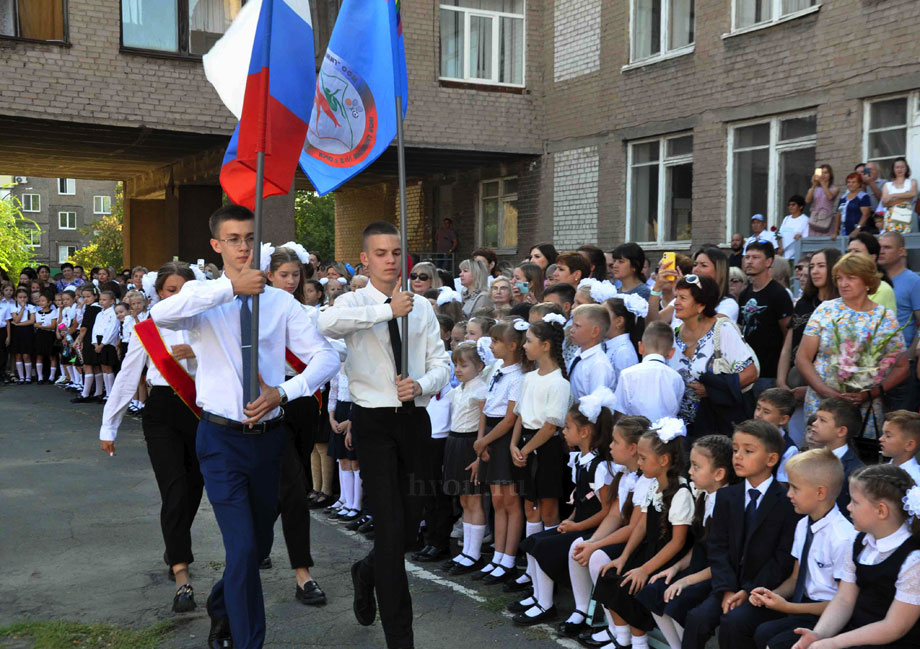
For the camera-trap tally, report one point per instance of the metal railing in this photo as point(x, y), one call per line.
point(807, 245)
point(443, 260)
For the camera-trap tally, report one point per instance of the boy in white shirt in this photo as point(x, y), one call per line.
point(652, 388)
point(104, 337)
point(900, 440)
point(590, 368)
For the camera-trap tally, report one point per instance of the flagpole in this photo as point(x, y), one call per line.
point(403, 236)
point(257, 264)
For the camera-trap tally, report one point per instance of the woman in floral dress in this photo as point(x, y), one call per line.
point(859, 322)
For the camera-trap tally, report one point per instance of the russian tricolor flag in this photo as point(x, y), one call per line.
point(264, 71)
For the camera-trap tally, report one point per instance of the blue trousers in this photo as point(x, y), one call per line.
point(242, 476)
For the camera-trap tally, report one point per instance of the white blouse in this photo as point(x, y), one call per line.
point(45, 319)
point(907, 587)
point(681, 511)
point(621, 354)
point(603, 475)
point(465, 406)
point(504, 386)
point(544, 399)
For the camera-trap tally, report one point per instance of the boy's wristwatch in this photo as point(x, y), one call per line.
point(284, 396)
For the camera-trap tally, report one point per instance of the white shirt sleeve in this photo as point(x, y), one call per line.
point(907, 587)
point(437, 361)
point(343, 318)
point(305, 341)
point(681, 511)
point(180, 311)
point(132, 365)
point(557, 405)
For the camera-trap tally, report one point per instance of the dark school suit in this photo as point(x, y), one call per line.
point(764, 560)
point(850, 462)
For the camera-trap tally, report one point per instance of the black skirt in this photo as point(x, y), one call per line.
point(498, 470)
point(652, 597)
point(337, 449)
point(108, 356)
point(90, 357)
point(546, 473)
point(459, 454)
point(22, 339)
point(44, 343)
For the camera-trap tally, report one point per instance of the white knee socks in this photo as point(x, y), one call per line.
point(595, 564)
point(39, 371)
point(28, 367)
point(53, 372)
point(581, 583)
point(544, 587)
point(87, 384)
point(476, 533)
point(347, 486)
point(669, 630)
point(109, 379)
point(357, 491)
point(99, 384)
point(20, 371)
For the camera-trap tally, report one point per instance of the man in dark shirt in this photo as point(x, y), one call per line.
point(446, 242)
point(764, 311)
point(737, 255)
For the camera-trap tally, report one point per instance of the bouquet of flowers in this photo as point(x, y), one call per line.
point(861, 365)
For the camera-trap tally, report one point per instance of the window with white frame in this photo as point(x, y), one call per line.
point(67, 220)
point(31, 203)
point(67, 186)
point(498, 214)
point(660, 28)
point(482, 41)
point(34, 234)
point(751, 13)
point(768, 162)
point(892, 130)
point(660, 190)
point(65, 253)
point(102, 204)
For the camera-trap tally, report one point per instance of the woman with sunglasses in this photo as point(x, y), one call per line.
point(695, 301)
point(424, 276)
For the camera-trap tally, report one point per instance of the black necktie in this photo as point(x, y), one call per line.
point(750, 514)
point(395, 342)
point(246, 345)
point(574, 363)
point(803, 566)
point(495, 379)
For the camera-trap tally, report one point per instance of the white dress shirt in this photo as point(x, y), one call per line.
point(593, 371)
point(504, 385)
point(210, 314)
point(652, 389)
point(913, 468)
point(105, 328)
point(132, 367)
point(45, 319)
point(622, 355)
point(545, 398)
point(762, 488)
point(361, 318)
point(907, 586)
point(439, 412)
point(831, 545)
point(466, 406)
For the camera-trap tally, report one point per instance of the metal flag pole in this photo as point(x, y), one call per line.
point(257, 264)
point(403, 236)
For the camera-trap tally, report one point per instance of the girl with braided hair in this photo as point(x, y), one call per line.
point(537, 448)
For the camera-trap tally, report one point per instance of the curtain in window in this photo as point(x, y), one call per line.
point(150, 24)
point(646, 28)
point(791, 6)
point(42, 19)
point(682, 23)
point(7, 24)
point(452, 44)
point(747, 12)
point(208, 20)
point(480, 47)
point(511, 55)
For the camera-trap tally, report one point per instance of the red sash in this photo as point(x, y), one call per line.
point(299, 366)
point(174, 374)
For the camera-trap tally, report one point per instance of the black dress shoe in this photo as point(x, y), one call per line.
point(522, 619)
point(368, 526)
point(585, 639)
point(479, 576)
point(570, 629)
point(430, 554)
point(321, 501)
point(311, 594)
point(265, 564)
point(348, 516)
point(509, 575)
point(365, 604)
point(83, 400)
point(219, 636)
point(421, 554)
point(184, 601)
point(512, 586)
point(358, 522)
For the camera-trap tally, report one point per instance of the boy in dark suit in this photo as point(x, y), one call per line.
point(836, 422)
point(749, 544)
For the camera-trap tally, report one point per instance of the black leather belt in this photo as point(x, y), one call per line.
point(246, 429)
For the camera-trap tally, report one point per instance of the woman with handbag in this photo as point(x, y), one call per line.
point(713, 359)
point(818, 287)
point(898, 196)
point(824, 220)
point(851, 319)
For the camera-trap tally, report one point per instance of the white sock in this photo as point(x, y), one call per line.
point(20, 372)
point(550, 527)
point(109, 379)
point(28, 371)
point(358, 491)
point(496, 561)
point(545, 587)
point(581, 582)
point(507, 561)
point(39, 371)
point(640, 641)
point(678, 629)
point(595, 565)
point(666, 624)
point(53, 372)
point(462, 560)
point(623, 635)
point(347, 487)
point(99, 384)
point(477, 533)
point(87, 385)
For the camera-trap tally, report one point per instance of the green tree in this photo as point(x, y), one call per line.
point(105, 247)
point(314, 218)
point(16, 251)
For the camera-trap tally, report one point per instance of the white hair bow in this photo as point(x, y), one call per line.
point(667, 428)
point(603, 291)
point(148, 282)
point(635, 304)
point(298, 250)
point(521, 325)
point(265, 256)
point(341, 280)
point(484, 350)
point(447, 294)
point(323, 280)
point(912, 501)
point(590, 282)
point(554, 317)
point(590, 405)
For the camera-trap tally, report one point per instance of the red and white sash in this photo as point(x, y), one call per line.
point(172, 371)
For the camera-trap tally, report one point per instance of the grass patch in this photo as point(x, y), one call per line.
point(494, 604)
point(58, 634)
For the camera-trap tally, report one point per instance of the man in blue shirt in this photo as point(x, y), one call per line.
point(892, 257)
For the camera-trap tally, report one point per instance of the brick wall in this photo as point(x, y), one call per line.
point(354, 210)
point(577, 38)
point(575, 197)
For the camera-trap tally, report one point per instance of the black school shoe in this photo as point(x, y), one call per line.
point(265, 564)
point(572, 630)
point(545, 615)
point(219, 636)
point(321, 502)
point(311, 594)
point(479, 576)
point(510, 575)
point(367, 527)
point(358, 522)
point(184, 601)
point(460, 569)
point(585, 639)
point(512, 586)
point(365, 604)
point(429, 554)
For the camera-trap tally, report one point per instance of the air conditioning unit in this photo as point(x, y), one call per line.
point(20, 179)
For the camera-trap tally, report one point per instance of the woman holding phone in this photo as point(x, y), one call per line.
point(824, 220)
point(527, 283)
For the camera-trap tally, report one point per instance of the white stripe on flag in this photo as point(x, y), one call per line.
point(226, 65)
point(302, 9)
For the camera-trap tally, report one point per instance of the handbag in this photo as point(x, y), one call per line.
point(821, 219)
point(868, 449)
point(720, 365)
point(900, 214)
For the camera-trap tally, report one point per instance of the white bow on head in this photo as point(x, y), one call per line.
point(298, 250)
point(484, 350)
point(447, 294)
point(590, 405)
point(521, 325)
point(912, 501)
point(667, 428)
point(265, 256)
point(148, 282)
point(635, 304)
point(603, 291)
point(550, 318)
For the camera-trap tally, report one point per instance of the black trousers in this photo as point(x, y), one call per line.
point(293, 506)
point(169, 429)
point(738, 626)
point(392, 447)
point(438, 510)
point(780, 634)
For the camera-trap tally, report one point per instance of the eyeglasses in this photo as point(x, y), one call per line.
point(695, 280)
point(735, 280)
point(420, 276)
point(236, 242)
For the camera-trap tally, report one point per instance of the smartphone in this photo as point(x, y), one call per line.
point(668, 265)
point(523, 287)
point(818, 172)
point(201, 264)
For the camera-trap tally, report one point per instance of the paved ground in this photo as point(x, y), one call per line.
point(80, 540)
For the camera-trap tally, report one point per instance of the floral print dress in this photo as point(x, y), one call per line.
point(691, 368)
point(856, 328)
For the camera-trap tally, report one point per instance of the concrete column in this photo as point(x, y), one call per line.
point(278, 218)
